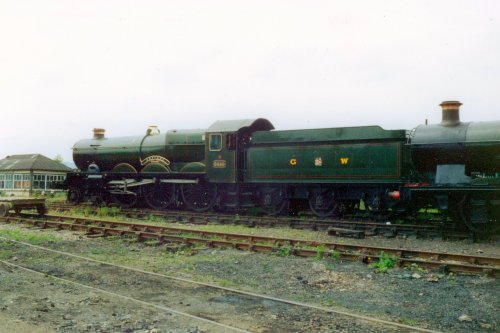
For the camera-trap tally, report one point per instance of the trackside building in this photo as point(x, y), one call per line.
point(29, 173)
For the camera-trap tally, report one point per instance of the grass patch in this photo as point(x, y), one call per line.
point(29, 237)
point(114, 248)
point(6, 254)
point(226, 283)
point(108, 211)
point(329, 302)
point(407, 321)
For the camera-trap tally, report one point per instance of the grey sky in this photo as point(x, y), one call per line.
point(69, 66)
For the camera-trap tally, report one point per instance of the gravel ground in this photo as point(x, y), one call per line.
point(414, 297)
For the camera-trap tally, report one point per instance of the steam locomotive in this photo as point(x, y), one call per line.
point(452, 167)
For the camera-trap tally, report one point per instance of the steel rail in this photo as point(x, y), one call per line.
point(452, 262)
point(293, 222)
point(256, 295)
point(128, 298)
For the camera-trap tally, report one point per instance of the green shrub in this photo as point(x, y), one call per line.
point(320, 251)
point(335, 254)
point(285, 251)
point(385, 262)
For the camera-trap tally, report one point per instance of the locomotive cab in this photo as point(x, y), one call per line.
point(225, 145)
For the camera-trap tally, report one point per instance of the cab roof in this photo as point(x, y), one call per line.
point(253, 125)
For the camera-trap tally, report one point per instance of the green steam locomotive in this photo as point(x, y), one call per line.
point(452, 167)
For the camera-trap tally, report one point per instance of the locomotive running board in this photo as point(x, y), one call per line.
point(179, 181)
point(130, 182)
point(133, 183)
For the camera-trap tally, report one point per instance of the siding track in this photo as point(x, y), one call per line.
point(452, 262)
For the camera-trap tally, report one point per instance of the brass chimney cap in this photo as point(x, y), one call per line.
point(450, 113)
point(99, 133)
point(449, 105)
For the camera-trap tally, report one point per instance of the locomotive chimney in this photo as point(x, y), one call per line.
point(99, 133)
point(451, 115)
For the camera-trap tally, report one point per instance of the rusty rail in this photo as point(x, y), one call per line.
point(452, 262)
point(309, 222)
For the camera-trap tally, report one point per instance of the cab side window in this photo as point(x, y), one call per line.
point(215, 142)
point(231, 141)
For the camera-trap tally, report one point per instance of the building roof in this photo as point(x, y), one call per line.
point(31, 162)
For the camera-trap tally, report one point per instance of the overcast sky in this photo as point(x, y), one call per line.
point(69, 66)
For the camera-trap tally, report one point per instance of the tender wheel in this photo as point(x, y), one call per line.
point(160, 196)
point(199, 197)
point(376, 208)
point(74, 196)
point(323, 203)
point(273, 200)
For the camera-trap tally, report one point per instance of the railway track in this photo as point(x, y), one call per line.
point(452, 262)
point(355, 227)
point(252, 309)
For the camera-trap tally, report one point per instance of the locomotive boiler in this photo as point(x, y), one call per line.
point(125, 169)
point(459, 167)
point(152, 152)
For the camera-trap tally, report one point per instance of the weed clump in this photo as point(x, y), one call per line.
point(285, 251)
point(385, 262)
point(320, 252)
point(335, 254)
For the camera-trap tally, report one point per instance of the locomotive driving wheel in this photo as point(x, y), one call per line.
point(479, 215)
point(273, 200)
point(159, 196)
point(323, 202)
point(199, 197)
point(125, 200)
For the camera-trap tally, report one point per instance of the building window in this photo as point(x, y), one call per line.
point(18, 182)
point(25, 181)
point(38, 182)
point(21, 182)
point(8, 182)
point(53, 178)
